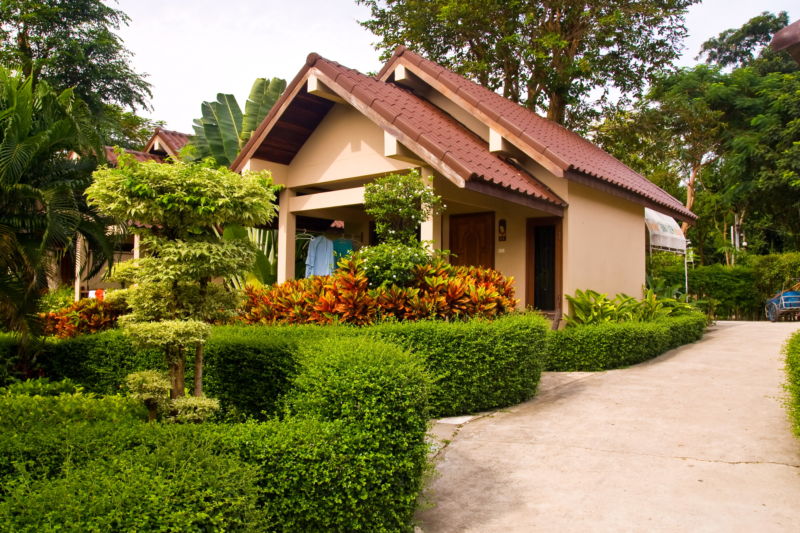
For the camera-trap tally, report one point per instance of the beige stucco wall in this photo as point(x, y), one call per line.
point(604, 243)
point(345, 145)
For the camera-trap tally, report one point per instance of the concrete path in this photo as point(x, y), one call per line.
point(696, 440)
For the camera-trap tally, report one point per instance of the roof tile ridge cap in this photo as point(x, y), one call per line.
point(399, 50)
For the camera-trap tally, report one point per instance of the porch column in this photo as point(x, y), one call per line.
point(136, 246)
point(287, 228)
point(431, 229)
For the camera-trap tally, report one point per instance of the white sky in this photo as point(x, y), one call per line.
point(194, 49)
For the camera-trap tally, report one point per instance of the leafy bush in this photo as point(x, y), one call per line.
point(99, 362)
point(349, 456)
point(392, 263)
point(55, 300)
point(159, 480)
point(793, 379)
point(439, 290)
point(88, 315)
point(613, 345)
point(42, 387)
point(478, 364)
point(735, 292)
point(591, 307)
point(9, 346)
point(250, 369)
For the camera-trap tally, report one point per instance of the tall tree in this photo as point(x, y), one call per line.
point(176, 208)
point(41, 193)
point(549, 55)
point(71, 43)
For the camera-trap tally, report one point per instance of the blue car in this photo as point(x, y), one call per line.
point(783, 303)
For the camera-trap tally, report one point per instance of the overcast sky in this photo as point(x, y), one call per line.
point(194, 49)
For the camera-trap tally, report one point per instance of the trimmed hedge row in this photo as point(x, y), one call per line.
point(793, 379)
point(349, 456)
point(613, 345)
point(476, 364)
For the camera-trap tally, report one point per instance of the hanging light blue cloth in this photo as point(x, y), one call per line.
point(319, 261)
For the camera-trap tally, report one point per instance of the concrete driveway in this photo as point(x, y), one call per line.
point(695, 440)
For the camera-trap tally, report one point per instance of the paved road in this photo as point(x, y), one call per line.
point(696, 440)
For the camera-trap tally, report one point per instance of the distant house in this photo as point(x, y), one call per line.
point(523, 194)
point(162, 144)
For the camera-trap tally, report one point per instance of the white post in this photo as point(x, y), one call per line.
point(287, 228)
point(431, 229)
point(79, 260)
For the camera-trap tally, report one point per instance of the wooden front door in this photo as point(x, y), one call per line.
point(544, 264)
point(472, 239)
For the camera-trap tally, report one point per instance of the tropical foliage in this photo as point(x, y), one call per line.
point(223, 129)
point(438, 291)
point(88, 315)
point(176, 208)
point(42, 209)
point(591, 307)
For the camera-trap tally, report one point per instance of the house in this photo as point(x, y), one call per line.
point(523, 194)
point(788, 39)
point(162, 144)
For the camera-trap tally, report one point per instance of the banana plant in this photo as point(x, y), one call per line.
point(265, 268)
point(223, 129)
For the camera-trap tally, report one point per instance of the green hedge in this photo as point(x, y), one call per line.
point(349, 456)
point(735, 292)
point(613, 345)
point(478, 364)
point(793, 379)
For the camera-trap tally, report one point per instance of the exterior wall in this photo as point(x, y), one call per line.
point(345, 145)
point(604, 243)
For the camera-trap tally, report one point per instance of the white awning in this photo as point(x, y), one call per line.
point(665, 233)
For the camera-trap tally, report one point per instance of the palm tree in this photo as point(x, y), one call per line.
point(48, 149)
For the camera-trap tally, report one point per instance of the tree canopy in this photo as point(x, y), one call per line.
point(551, 57)
point(726, 136)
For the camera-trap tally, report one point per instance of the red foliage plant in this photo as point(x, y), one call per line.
point(88, 315)
point(440, 291)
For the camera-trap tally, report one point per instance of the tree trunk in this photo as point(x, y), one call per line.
point(176, 371)
point(198, 370)
point(690, 187)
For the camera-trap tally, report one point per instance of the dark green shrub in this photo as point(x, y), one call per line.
point(42, 434)
point(99, 362)
point(478, 364)
point(614, 345)
point(8, 358)
point(392, 263)
point(173, 479)
point(793, 379)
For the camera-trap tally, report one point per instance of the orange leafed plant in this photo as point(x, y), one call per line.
point(88, 315)
point(441, 291)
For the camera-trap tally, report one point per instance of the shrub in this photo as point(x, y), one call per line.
point(792, 351)
point(99, 362)
point(88, 315)
point(250, 369)
point(613, 345)
point(591, 307)
point(349, 456)
point(478, 364)
point(42, 387)
point(439, 290)
point(392, 263)
point(9, 346)
point(167, 481)
point(55, 300)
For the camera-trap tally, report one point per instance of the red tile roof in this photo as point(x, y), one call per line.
point(788, 39)
point(425, 125)
point(173, 140)
point(111, 156)
point(567, 150)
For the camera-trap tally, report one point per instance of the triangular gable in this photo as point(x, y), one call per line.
point(433, 136)
point(562, 152)
point(166, 143)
